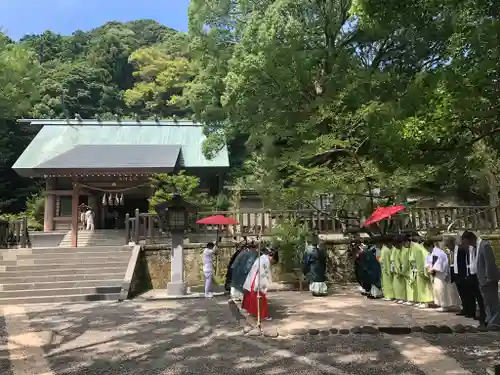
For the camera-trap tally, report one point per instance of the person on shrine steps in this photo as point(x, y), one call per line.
point(256, 284)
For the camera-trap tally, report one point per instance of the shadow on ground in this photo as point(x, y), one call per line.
point(171, 337)
point(475, 352)
point(194, 337)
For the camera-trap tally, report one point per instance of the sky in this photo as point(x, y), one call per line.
point(21, 17)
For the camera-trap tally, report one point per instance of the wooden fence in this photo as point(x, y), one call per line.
point(14, 233)
point(143, 226)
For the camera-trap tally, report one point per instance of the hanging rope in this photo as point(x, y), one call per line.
point(113, 190)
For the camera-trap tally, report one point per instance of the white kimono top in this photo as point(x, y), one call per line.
point(442, 265)
point(253, 277)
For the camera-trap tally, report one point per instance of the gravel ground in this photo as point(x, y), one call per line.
point(202, 337)
point(152, 338)
point(475, 352)
point(4, 354)
point(354, 354)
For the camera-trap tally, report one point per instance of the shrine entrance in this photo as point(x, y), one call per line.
point(113, 216)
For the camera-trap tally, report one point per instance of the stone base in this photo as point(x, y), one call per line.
point(176, 289)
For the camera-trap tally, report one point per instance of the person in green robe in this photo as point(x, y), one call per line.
point(411, 279)
point(423, 279)
point(385, 265)
point(405, 270)
point(398, 281)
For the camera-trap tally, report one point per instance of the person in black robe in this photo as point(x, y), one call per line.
point(315, 268)
point(229, 272)
point(372, 273)
point(358, 255)
point(240, 268)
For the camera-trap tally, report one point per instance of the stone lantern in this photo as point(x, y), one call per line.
point(174, 215)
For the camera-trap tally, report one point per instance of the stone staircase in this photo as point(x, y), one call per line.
point(99, 237)
point(62, 274)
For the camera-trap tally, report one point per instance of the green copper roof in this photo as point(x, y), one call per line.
point(61, 136)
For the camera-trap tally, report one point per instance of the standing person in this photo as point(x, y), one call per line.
point(422, 279)
point(405, 269)
point(411, 273)
point(472, 284)
point(372, 272)
point(315, 266)
point(484, 265)
point(257, 283)
point(89, 219)
point(229, 275)
point(397, 269)
point(459, 272)
point(385, 265)
point(357, 252)
point(208, 253)
point(439, 269)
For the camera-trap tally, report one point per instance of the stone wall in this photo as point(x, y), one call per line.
point(153, 268)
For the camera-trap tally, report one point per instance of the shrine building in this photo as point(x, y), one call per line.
point(107, 165)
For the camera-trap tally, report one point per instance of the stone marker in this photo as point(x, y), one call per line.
point(445, 329)
point(430, 329)
point(458, 328)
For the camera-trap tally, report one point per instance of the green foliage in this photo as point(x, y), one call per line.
point(312, 97)
point(289, 236)
point(35, 208)
point(187, 186)
point(337, 97)
point(160, 81)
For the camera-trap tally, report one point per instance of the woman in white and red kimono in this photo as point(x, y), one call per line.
point(257, 282)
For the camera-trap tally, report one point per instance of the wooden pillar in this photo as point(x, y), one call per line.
point(74, 215)
point(50, 206)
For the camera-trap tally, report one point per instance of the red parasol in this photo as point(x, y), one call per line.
point(382, 213)
point(217, 220)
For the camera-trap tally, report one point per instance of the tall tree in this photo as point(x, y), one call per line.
point(19, 77)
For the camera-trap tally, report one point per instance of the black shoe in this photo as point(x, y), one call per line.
point(482, 326)
point(470, 316)
point(462, 313)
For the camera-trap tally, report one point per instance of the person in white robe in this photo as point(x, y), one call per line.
point(256, 285)
point(89, 219)
point(443, 291)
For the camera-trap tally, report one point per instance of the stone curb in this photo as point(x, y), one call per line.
point(251, 330)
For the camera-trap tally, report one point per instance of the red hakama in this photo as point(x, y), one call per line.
point(250, 302)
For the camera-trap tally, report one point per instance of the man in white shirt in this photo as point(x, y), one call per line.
point(208, 253)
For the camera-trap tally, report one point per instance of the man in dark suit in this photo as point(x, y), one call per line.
point(459, 273)
point(483, 264)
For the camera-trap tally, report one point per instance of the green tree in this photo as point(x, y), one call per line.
point(160, 81)
point(185, 185)
point(19, 77)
